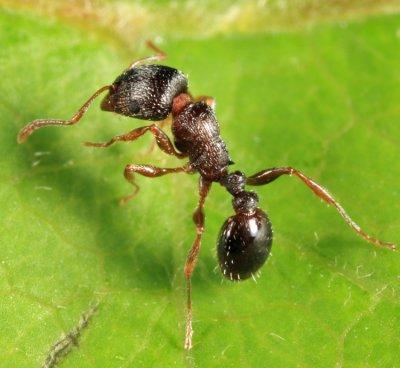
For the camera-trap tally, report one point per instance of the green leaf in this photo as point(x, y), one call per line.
point(323, 100)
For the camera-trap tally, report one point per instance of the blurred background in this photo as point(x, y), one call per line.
point(311, 84)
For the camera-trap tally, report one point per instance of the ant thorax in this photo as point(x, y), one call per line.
point(196, 132)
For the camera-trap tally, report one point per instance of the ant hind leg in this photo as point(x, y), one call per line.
point(191, 260)
point(269, 175)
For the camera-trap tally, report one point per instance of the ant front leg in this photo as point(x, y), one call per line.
point(210, 101)
point(39, 123)
point(150, 172)
point(161, 124)
point(191, 260)
point(269, 175)
point(162, 139)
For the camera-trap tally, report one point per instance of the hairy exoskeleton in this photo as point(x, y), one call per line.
point(154, 92)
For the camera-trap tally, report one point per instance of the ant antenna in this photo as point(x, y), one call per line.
point(36, 124)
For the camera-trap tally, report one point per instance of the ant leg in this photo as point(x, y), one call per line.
point(191, 260)
point(149, 171)
point(161, 125)
point(269, 175)
point(160, 55)
point(210, 101)
point(25, 132)
point(162, 139)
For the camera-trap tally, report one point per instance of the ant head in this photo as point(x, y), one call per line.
point(244, 244)
point(145, 92)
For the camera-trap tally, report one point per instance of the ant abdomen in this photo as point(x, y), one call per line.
point(244, 244)
point(145, 92)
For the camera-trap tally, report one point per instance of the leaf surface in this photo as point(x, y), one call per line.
point(323, 100)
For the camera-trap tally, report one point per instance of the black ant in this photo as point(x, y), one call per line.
point(154, 92)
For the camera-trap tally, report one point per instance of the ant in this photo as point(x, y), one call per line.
point(155, 92)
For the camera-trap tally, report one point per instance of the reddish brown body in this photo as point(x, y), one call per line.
point(196, 133)
point(153, 92)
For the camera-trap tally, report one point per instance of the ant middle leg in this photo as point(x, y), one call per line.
point(161, 138)
point(149, 171)
point(25, 132)
point(191, 260)
point(269, 175)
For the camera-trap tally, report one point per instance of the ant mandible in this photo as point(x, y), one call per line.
point(154, 92)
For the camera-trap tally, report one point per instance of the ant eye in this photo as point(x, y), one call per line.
point(134, 107)
point(244, 244)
